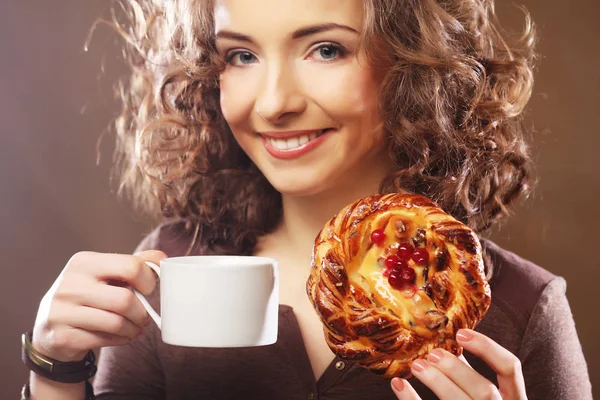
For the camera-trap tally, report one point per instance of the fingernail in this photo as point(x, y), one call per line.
point(398, 384)
point(435, 356)
point(464, 335)
point(141, 331)
point(419, 365)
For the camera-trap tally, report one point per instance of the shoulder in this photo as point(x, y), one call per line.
point(175, 237)
point(517, 284)
point(530, 316)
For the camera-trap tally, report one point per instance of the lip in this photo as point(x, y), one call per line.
point(297, 152)
point(288, 134)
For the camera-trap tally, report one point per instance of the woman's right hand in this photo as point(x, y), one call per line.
point(90, 305)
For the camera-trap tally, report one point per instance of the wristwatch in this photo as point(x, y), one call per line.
point(58, 371)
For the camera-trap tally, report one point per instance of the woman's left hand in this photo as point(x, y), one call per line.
point(450, 378)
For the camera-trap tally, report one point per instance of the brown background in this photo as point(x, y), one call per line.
point(55, 101)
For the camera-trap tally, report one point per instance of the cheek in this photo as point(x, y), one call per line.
point(237, 99)
point(348, 95)
point(360, 97)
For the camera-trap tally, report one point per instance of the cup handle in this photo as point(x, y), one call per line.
point(153, 314)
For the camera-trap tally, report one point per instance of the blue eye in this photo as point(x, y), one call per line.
point(240, 58)
point(330, 51)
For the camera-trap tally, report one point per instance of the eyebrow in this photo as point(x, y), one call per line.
point(300, 33)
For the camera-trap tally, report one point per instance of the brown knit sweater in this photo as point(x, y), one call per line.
point(529, 316)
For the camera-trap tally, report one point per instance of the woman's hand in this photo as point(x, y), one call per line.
point(451, 378)
point(89, 307)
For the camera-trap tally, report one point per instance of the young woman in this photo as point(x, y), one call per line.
point(247, 125)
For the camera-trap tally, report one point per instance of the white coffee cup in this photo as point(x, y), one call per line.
point(217, 301)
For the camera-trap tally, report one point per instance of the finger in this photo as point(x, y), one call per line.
point(465, 377)
point(118, 300)
point(437, 381)
point(154, 256)
point(505, 363)
point(101, 339)
point(93, 340)
point(92, 319)
point(121, 267)
point(151, 255)
point(403, 390)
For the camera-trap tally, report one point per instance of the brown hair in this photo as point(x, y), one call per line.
point(451, 101)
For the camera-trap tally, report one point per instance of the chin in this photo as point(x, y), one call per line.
point(299, 185)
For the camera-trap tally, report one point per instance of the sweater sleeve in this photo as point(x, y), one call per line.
point(553, 363)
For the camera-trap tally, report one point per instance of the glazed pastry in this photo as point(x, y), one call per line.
point(394, 277)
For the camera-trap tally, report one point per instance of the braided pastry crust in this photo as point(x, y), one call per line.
point(384, 328)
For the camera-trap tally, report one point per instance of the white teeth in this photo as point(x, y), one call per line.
point(279, 144)
point(292, 143)
point(303, 140)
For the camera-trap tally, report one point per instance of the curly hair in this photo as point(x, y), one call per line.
point(451, 102)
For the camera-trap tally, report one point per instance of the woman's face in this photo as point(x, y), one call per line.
point(297, 92)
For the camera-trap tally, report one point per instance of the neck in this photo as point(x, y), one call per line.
point(305, 216)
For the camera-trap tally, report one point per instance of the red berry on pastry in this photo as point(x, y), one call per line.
point(400, 277)
point(395, 278)
point(391, 261)
point(420, 256)
point(377, 236)
point(405, 251)
point(408, 274)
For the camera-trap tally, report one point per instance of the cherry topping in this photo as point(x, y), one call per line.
point(377, 236)
point(400, 264)
point(405, 251)
point(391, 261)
point(420, 256)
point(399, 277)
point(408, 274)
point(395, 279)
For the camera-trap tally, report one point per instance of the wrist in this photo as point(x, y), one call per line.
point(56, 356)
point(56, 370)
point(38, 381)
point(39, 387)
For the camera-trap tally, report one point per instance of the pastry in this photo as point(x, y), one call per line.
point(394, 277)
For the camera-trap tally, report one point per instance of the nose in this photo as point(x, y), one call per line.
point(279, 96)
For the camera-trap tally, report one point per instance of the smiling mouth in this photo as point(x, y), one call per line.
point(296, 141)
